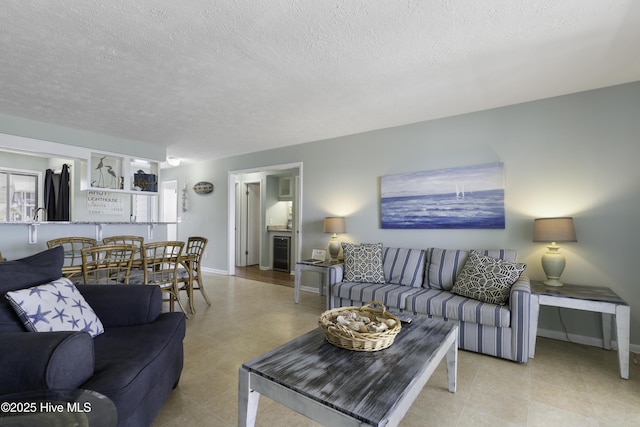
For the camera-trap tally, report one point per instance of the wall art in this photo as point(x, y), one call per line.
point(464, 197)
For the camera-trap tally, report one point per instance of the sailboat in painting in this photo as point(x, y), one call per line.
point(426, 199)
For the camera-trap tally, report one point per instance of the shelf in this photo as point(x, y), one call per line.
point(120, 174)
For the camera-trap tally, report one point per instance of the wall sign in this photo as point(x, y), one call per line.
point(105, 203)
point(203, 187)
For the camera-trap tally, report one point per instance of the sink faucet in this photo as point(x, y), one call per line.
point(44, 215)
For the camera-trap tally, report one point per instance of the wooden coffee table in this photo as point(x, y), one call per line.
point(338, 387)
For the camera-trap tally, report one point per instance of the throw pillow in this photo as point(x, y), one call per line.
point(363, 263)
point(55, 306)
point(487, 279)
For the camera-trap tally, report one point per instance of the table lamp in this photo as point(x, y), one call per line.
point(334, 225)
point(553, 230)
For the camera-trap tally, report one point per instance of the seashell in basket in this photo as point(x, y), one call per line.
point(360, 328)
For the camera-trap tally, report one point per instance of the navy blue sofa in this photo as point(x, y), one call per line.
point(136, 362)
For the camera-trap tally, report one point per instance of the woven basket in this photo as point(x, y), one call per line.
point(344, 337)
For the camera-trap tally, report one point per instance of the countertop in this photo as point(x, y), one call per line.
point(278, 228)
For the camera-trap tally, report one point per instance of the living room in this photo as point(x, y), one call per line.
point(572, 153)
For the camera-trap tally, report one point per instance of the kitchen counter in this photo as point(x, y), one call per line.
point(32, 226)
point(278, 228)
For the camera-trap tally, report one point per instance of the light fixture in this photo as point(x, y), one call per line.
point(334, 225)
point(553, 230)
point(173, 161)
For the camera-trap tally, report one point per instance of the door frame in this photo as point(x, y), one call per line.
point(163, 208)
point(231, 209)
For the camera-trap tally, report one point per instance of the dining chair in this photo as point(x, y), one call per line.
point(194, 250)
point(137, 241)
point(107, 264)
point(73, 247)
point(161, 262)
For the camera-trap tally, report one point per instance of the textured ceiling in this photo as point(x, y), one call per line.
point(210, 79)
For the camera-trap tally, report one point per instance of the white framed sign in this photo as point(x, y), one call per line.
point(105, 203)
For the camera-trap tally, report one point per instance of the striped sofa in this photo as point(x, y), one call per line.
point(419, 281)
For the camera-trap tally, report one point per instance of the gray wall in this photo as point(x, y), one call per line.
point(572, 155)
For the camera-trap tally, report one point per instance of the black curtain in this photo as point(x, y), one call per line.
point(56, 194)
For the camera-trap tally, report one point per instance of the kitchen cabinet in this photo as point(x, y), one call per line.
point(285, 188)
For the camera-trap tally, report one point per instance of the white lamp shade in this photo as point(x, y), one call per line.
point(334, 224)
point(554, 230)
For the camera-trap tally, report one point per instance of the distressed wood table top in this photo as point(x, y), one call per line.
point(363, 385)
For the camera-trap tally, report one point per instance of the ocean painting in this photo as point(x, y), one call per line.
point(465, 197)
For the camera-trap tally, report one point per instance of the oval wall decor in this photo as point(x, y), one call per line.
point(203, 187)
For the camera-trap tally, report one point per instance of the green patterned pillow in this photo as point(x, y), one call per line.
point(363, 263)
point(487, 279)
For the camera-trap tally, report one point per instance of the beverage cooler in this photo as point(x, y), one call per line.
point(281, 253)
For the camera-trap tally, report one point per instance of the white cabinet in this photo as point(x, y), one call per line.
point(119, 173)
point(285, 188)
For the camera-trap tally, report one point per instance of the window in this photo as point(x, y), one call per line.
point(18, 195)
point(145, 208)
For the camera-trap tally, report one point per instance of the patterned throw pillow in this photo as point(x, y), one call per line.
point(55, 306)
point(487, 279)
point(363, 263)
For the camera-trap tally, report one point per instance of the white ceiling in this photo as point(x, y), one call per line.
point(210, 79)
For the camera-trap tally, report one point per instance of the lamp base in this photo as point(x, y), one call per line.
point(553, 282)
point(553, 263)
point(334, 247)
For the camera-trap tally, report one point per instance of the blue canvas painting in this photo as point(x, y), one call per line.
point(465, 197)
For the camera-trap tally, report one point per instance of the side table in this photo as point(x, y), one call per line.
point(318, 267)
point(589, 298)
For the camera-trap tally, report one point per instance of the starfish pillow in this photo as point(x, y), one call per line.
point(55, 306)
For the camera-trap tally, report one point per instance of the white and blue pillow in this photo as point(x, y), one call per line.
point(55, 306)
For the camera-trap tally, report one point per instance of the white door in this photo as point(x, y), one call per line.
point(253, 223)
point(170, 207)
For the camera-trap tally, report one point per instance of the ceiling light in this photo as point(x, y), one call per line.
point(173, 161)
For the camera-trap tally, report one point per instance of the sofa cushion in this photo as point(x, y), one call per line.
point(22, 273)
point(444, 265)
point(363, 262)
point(133, 363)
point(439, 303)
point(33, 270)
point(392, 296)
point(403, 266)
point(55, 306)
point(487, 279)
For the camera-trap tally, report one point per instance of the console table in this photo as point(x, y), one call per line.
point(318, 267)
point(589, 298)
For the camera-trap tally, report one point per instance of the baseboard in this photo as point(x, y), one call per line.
point(582, 339)
point(313, 289)
point(214, 271)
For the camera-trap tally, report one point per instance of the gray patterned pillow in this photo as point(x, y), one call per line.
point(487, 279)
point(363, 263)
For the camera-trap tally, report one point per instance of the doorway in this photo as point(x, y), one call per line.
point(170, 208)
point(236, 194)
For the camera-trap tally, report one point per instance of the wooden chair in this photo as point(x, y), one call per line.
point(193, 254)
point(137, 241)
point(161, 261)
point(108, 264)
point(73, 247)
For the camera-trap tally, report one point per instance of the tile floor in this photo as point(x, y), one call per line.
point(565, 385)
